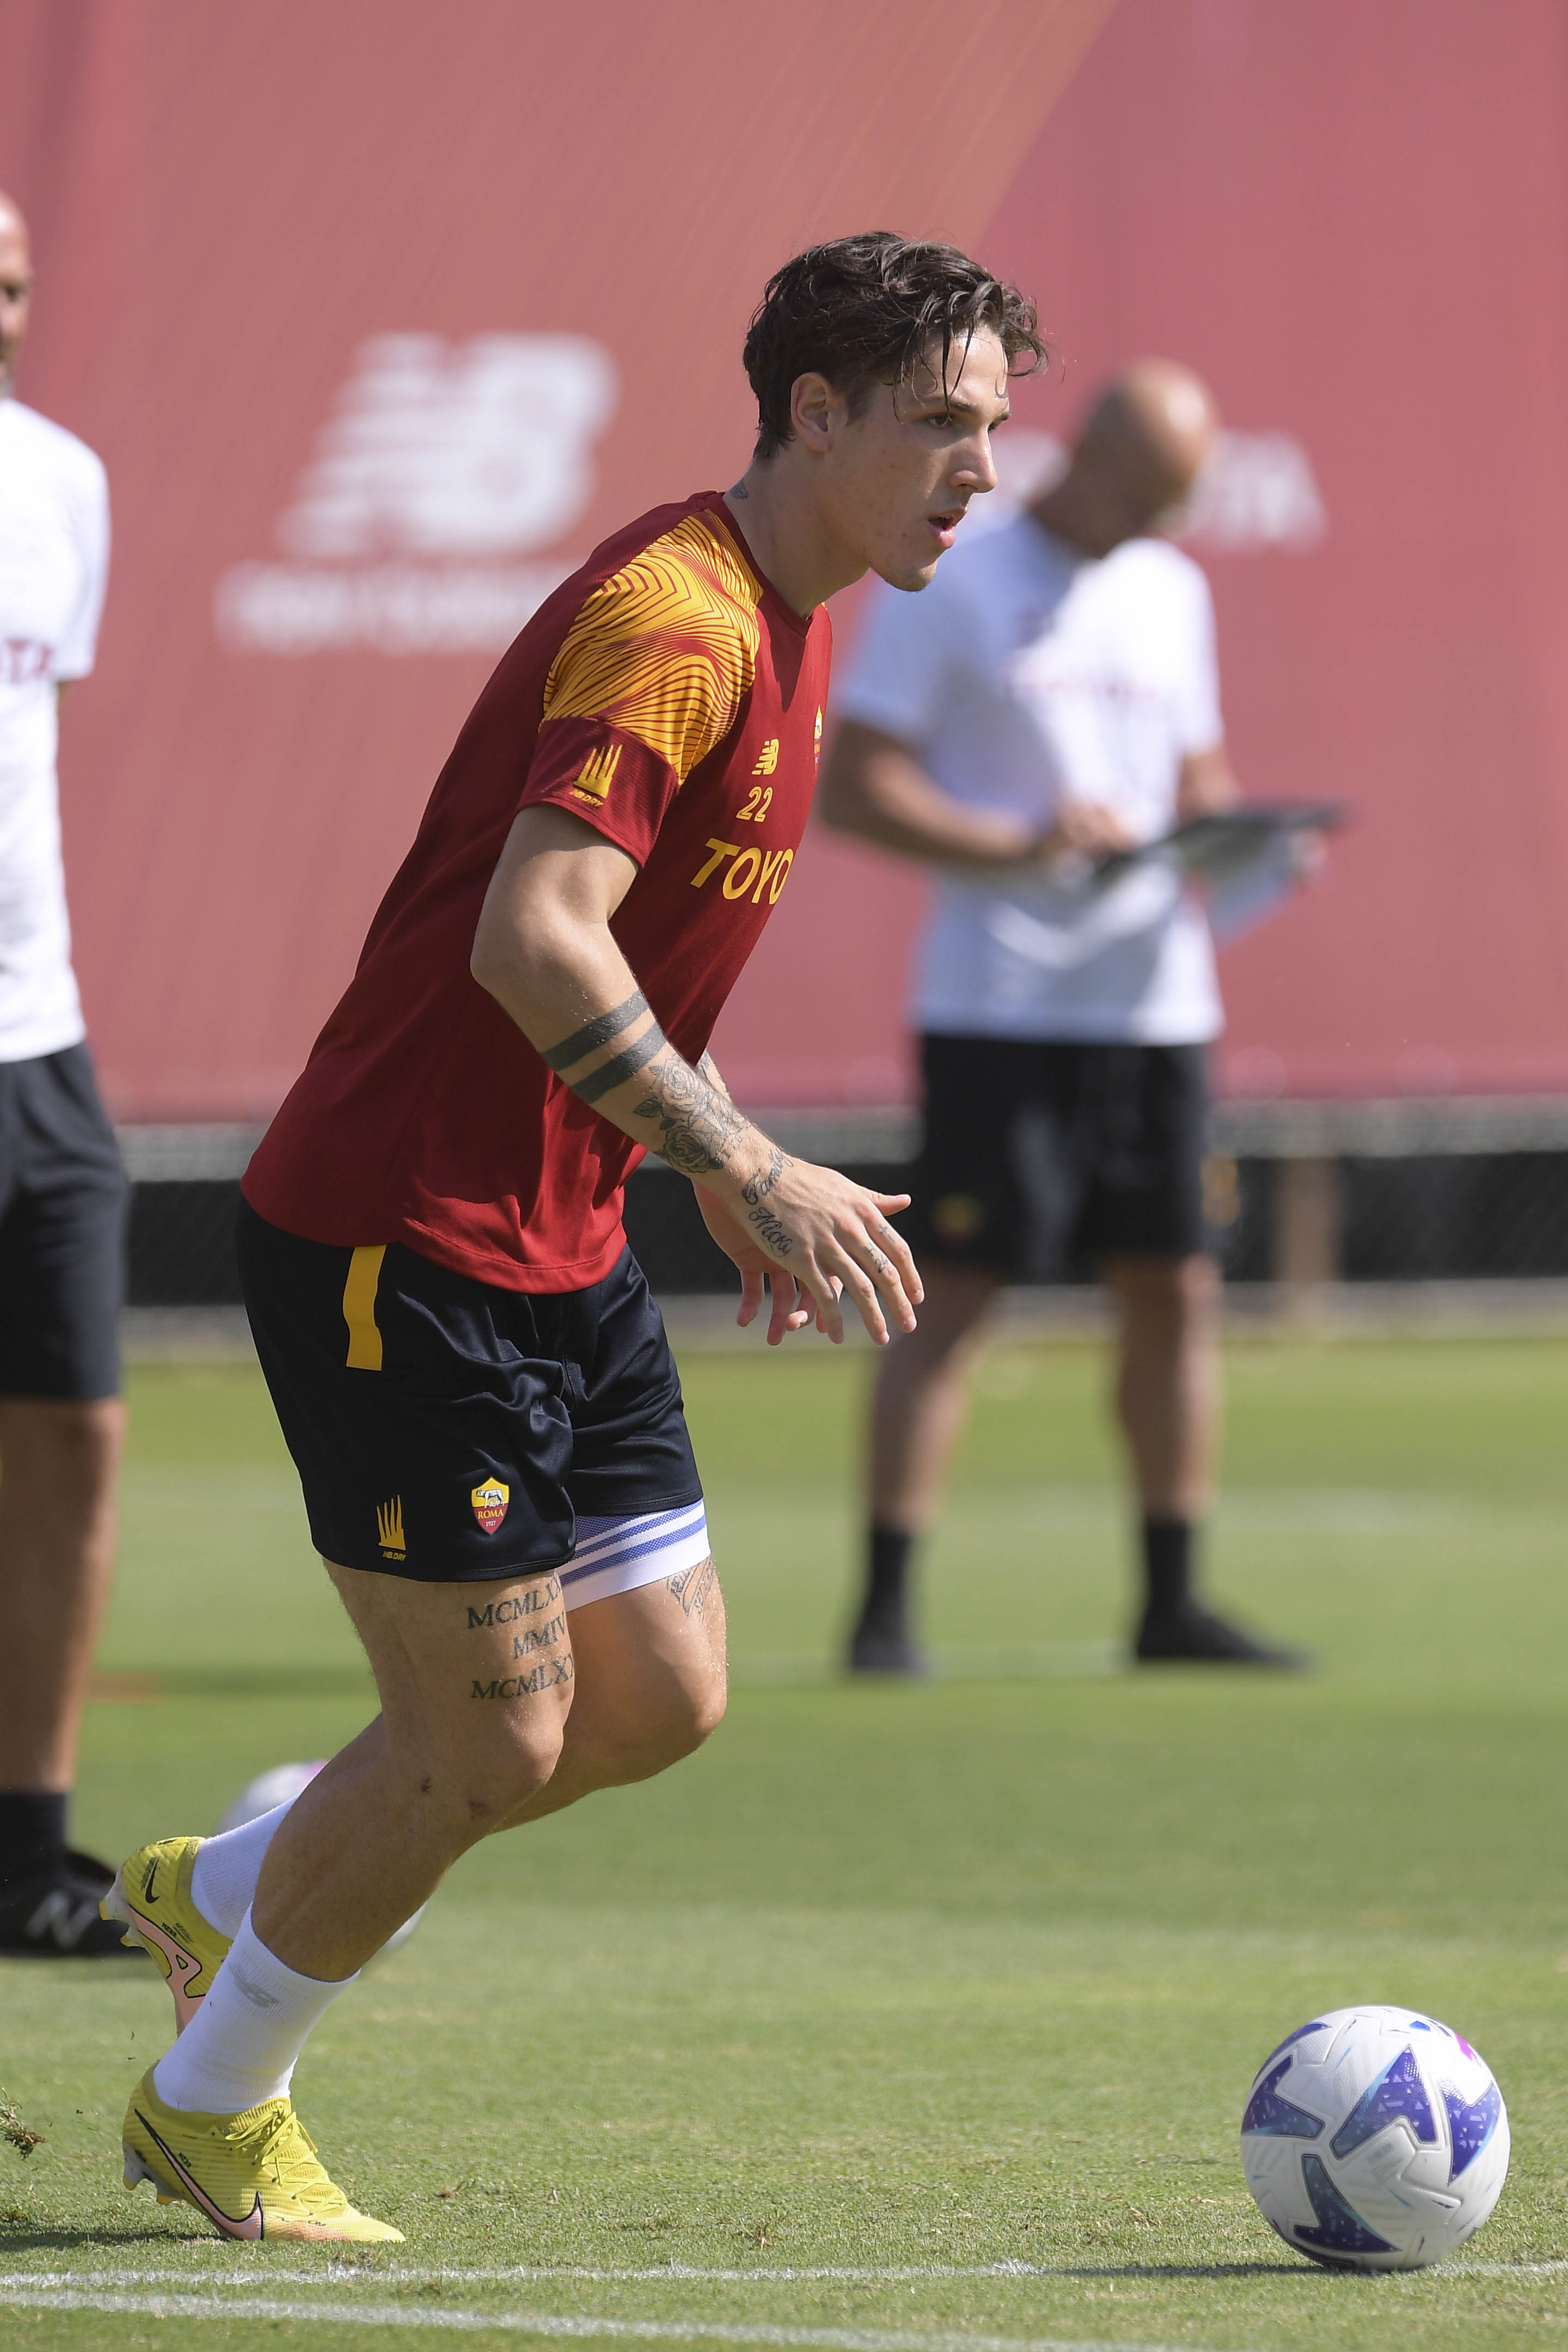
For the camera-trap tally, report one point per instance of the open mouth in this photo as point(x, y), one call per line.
point(945, 523)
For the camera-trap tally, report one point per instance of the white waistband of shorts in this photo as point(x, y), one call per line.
point(617, 1555)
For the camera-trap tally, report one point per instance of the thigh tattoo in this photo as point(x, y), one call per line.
point(693, 1585)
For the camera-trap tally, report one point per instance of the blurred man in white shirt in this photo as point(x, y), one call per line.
point(62, 1188)
point(1051, 697)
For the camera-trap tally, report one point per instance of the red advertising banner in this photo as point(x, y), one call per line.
point(379, 316)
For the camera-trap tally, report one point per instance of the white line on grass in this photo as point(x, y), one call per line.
point(338, 2272)
point(26, 2293)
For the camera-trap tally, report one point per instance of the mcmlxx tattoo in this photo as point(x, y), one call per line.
point(527, 1603)
point(545, 1676)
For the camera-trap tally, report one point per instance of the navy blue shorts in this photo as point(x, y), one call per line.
point(1045, 1157)
point(448, 1431)
point(63, 1195)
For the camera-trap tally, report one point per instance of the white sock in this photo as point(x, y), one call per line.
point(227, 1867)
point(243, 2044)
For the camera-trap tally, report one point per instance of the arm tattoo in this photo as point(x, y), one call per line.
point(597, 1032)
point(709, 1068)
point(699, 1124)
point(757, 1188)
point(616, 1073)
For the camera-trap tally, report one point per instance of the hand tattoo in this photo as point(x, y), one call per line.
point(769, 1232)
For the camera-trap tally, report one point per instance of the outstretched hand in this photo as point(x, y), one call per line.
point(792, 1306)
point(815, 1237)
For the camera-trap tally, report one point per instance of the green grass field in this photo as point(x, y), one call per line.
point(914, 2017)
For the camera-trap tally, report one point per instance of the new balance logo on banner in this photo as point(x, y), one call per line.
point(441, 462)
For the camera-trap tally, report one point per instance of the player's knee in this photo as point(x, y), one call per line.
point(505, 1764)
point(1170, 1291)
point(69, 1449)
point(695, 1714)
point(668, 1725)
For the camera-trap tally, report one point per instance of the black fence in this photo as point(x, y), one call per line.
point(1433, 1216)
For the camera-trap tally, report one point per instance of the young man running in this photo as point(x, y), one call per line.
point(471, 1376)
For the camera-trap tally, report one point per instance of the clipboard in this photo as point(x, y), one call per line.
point(1215, 848)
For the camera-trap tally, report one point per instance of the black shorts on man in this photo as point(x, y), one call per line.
point(448, 1431)
point(1042, 1158)
point(63, 1195)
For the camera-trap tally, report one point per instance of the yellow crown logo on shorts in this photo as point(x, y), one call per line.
point(389, 1527)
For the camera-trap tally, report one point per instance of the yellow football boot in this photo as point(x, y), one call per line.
point(151, 1898)
point(255, 2175)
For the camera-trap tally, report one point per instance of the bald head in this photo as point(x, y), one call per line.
point(16, 286)
point(1138, 453)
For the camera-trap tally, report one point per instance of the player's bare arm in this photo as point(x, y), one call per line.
point(1207, 784)
point(791, 1309)
point(544, 950)
point(874, 786)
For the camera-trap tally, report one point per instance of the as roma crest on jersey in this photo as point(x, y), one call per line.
point(490, 1501)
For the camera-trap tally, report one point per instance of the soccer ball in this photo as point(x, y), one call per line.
point(1374, 2139)
point(267, 1791)
point(280, 1785)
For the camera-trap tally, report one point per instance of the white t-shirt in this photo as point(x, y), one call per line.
point(54, 565)
point(1023, 676)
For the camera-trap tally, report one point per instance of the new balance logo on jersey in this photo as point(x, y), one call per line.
point(389, 1527)
point(767, 758)
point(599, 774)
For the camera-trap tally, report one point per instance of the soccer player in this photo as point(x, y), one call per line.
point(1054, 699)
point(470, 1371)
point(62, 1188)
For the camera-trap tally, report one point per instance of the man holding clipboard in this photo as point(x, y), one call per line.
point(1042, 728)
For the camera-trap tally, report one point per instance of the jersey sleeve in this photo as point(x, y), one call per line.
point(899, 676)
point(649, 679)
point(78, 644)
point(1202, 724)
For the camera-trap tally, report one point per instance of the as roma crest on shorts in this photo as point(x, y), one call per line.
point(489, 1502)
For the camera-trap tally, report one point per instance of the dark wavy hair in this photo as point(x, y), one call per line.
point(870, 309)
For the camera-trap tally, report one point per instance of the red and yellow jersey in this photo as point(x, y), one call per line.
point(669, 697)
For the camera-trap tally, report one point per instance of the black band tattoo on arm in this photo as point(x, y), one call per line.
point(700, 1125)
point(597, 1032)
point(616, 1072)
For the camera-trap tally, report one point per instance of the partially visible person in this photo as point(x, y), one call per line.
point(1050, 698)
point(62, 1188)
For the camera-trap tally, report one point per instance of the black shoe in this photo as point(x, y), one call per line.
point(53, 1916)
point(1191, 1635)
point(882, 1643)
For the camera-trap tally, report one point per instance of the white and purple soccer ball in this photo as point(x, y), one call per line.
point(1374, 2139)
point(280, 1785)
